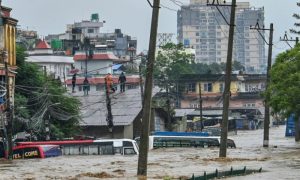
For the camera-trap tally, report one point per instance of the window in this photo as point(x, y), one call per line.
point(90, 30)
point(208, 87)
point(191, 87)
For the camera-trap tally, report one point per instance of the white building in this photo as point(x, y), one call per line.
point(57, 66)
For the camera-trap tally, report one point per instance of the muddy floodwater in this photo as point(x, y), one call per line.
point(280, 161)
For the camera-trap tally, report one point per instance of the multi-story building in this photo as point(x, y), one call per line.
point(202, 27)
point(123, 46)
point(245, 91)
point(8, 53)
point(56, 66)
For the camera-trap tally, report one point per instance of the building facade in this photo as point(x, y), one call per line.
point(202, 27)
point(8, 53)
point(245, 89)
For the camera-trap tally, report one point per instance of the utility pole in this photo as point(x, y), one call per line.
point(144, 144)
point(226, 94)
point(8, 109)
point(169, 126)
point(109, 117)
point(286, 39)
point(141, 83)
point(200, 107)
point(267, 107)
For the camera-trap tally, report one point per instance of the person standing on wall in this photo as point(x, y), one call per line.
point(122, 80)
point(109, 83)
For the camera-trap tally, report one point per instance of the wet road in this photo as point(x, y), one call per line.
point(280, 161)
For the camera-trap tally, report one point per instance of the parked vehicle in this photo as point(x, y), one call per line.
point(185, 141)
point(92, 147)
point(36, 151)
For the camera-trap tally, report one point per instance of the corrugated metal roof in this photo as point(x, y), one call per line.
point(125, 107)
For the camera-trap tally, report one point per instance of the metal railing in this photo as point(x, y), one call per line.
point(224, 174)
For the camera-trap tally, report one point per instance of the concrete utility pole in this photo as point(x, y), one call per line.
point(267, 107)
point(226, 94)
point(109, 117)
point(200, 107)
point(144, 143)
point(169, 125)
point(286, 39)
point(141, 84)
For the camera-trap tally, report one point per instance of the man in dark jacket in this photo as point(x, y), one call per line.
point(122, 80)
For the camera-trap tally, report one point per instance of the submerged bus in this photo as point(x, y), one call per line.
point(36, 151)
point(185, 141)
point(93, 147)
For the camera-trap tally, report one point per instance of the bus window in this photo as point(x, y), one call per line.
point(93, 150)
point(66, 150)
point(118, 150)
point(31, 152)
point(129, 151)
point(127, 144)
point(74, 150)
point(106, 149)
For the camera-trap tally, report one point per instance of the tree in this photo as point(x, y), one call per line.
point(39, 98)
point(296, 24)
point(283, 93)
point(172, 61)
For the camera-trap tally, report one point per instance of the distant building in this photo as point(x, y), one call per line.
point(116, 42)
point(95, 64)
point(203, 28)
point(245, 90)
point(26, 38)
point(56, 66)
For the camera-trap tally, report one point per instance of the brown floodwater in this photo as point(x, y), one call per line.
point(280, 161)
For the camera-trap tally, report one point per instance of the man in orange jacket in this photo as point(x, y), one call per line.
point(109, 83)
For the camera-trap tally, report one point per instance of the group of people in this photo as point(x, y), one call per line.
point(109, 82)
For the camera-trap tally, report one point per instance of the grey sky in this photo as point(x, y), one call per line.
point(132, 16)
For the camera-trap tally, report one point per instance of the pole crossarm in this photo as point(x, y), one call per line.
point(152, 5)
point(287, 40)
point(216, 4)
point(256, 27)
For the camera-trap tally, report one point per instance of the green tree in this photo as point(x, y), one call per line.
point(39, 98)
point(171, 61)
point(284, 90)
point(297, 23)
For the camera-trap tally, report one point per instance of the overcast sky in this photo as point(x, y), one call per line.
point(133, 17)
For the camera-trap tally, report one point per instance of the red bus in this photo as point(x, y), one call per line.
point(36, 151)
point(92, 147)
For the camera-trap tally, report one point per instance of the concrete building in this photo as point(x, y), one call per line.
point(203, 28)
point(8, 54)
point(121, 45)
point(56, 66)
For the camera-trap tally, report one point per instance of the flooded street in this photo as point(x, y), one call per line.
point(280, 161)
